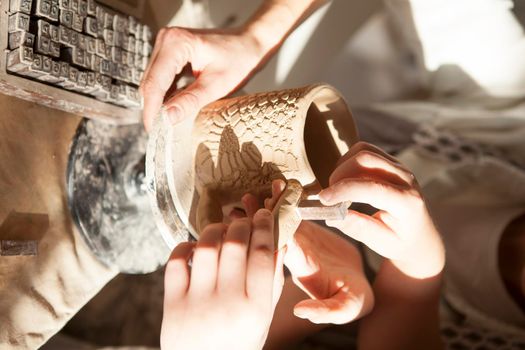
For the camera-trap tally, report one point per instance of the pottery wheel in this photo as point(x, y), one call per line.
point(107, 196)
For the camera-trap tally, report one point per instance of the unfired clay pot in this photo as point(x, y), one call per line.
point(239, 145)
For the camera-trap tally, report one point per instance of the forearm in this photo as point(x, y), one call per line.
point(406, 312)
point(276, 19)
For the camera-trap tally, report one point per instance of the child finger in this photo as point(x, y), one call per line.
point(250, 204)
point(367, 229)
point(278, 280)
point(343, 307)
point(277, 189)
point(177, 272)
point(206, 259)
point(380, 194)
point(364, 146)
point(261, 264)
point(233, 257)
point(373, 162)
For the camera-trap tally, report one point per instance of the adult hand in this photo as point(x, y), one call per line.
point(227, 298)
point(221, 60)
point(402, 230)
point(327, 268)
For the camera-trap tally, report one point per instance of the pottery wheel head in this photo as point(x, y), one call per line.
point(107, 197)
point(240, 145)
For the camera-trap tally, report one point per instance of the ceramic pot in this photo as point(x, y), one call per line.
point(200, 168)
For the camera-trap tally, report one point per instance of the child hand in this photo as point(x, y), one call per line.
point(227, 298)
point(402, 230)
point(328, 269)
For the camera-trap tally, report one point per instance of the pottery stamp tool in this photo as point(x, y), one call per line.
point(294, 206)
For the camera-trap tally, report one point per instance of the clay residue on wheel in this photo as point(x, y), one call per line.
point(107, 199)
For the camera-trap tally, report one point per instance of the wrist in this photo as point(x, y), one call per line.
point(399, 285)
point(260, 46)
point(272, 23)
point(427, 258)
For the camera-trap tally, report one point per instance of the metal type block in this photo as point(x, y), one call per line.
point(53, 32)
point(125, 57)
point(139, 46)
point(42, 45)
point(134, 95)
point(120, 24)
point(19, 59)
point(65, 81)
point(100, 15)
point(64, 69)
point(18, 247)
point(144, 63)
point(74, 38)
point(54, 49)
point(137, 61)
point(74, 5)
point(130, 60)
point(82, 42)
point(116, 54)
point(109, 37)
point(139, 31)
point(91, 45)
point(95, 63)
point(119, 39)
point(18, 21)
point(108, 20)
point(101, 48)
point(64, 35)
point(146, 49)
point(78, 56)
point(36, 68)
point(114, 93)
point(130, 44)
point(78, 22)
point(105, 67)
point(83, 8)
point(137, 76)
point(91, 7)
point(88, 60)
point(91, 26)
point(23, 6)
point(54, 13)
point(90, 82)
point(43, 8)
point(64, 5)
point(17, 39)
point(146, 34)
point(73, 75)
point(47, 64)
point(66, 18)
point(82, 80)
point(55, 71)
point(132, 25)
point(106, 82)
point(43, 29)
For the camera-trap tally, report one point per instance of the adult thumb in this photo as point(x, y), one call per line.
point(187, 102)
